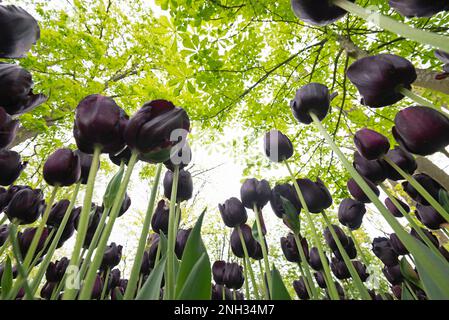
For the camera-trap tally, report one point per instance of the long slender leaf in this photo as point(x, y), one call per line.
point(198, 284)
point(151, 288)
point(278, 289)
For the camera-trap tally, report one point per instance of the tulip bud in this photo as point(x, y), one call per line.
point(181, 241)
point(185, 185)
point(421, 130)
point(257, 254)
point(125, 205)
point(384, 251)
point(315, 260)
point(236, 243)
point(319, 12)
point(10, 167)
point(56, 270)
point(159, 221)
point(26, 206)
point(403, 160)
point(428, 234)
point(361, 270)
point(85, 164)
point(233, 276)
point(233, 213)
point(316, 195)
point(286, 191)
point(99, 121)
point(301, 289)
point(371, 144)
point(370, 169)
point(145, 266)
point(62, 168)
point(378, 77)
point(393, 274)
point(290, 249)
point(357, 192)
point(122, 156)
point(152, 251)
point(320, 279)
point(429, 217)
point(8, 128)
point(397, 245)
point(114, 278)
point(24, 240)
point(4, 198)
point(255, 192)
point(350, 213)
point(58, 211)
point(394, 210)
point(16, 90)
point(112, 256)
point(350, 250)
point(429, 184)
point(97, 288)
point(419, 8)
point(339, 269)
point(218, 271)
point(311, 98)
point(120, 288)
point(48, 289)
point(278, 146)
point(179, 156)
point(340, 235)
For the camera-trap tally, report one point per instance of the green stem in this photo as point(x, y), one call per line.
point(359, 249)
point(305, 270)
point(424, 37)
point(333, 293)
point(264, 249)
point(264, 287)
point(248, 264)
point(86, 290)
point(410, 290)
point(105, 284)
point(417, 98)
point(245, 270)
point(135, 271)
point(2, 221)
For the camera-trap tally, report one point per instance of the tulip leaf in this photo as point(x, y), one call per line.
point(409, 274)
point(156, 157)
point(405, 294)
point(255, 232)
point(152, 287)
point(278, 289)
point(290, 217)
point(7, 278)
point(162, 243)
point(118, 294)
point(112, 188)
point(444, 199)
point(197, 285)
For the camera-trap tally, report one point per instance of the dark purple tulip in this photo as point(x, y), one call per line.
point(403, 160)
point(145, 267)
point(356, 191)
point(10, 166)
point(344, 240)
point(429, 184)
point(340, 290)
point(428, 234)
point(48, 289)
point(181, 241)
point(233, 276)
point(5, 197)
point(8, 128)
point(123, 155)
point(257, 254)
point(152, 251)
point(125, 205)
point(94, 221)
point(429, 217)
point(370, 169)
point(278, 146)
point(419, 8)
point(236, 243)
point(350, 213)
point(16, 90)
point(114, 278)
point(62, 168)
point(339, 269)
point(311, 98)
point(112, 256)
point(393, 274)
point(361, 270)
point(397, 245)
point(120, 288)
point(217, 293)
point(421, 130)
point(97, 289)
point(397, 291)
point(25, 238)
point(56, 270)
point(149, 130)
point(288, 192)
point(58, 211)
point(378, 77)
point(371, 144)
point(255, 192)
point(384, 251)
point(4, 234)
point(350, 250)
point(394, 210)
point(218, 271)
point(159, 221)
point(99, 121)
point(180, 157)
point(290, 249)
point(320, 279)
point(85, 163)
point(185, 185)
point(26, 206)
point(315, 260)
point(319, 12)
point(233, 212)
point(301, 289)
point(316, 195)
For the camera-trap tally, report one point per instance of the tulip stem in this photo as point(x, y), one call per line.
point(264, 282)
point(305, 270)
point(421, 36)
point(135, 271)
point(415, 184)
point(2, 221)
point(409, 288)
point(245, 270)
point(105, 284)
point(359, 249)
point(248, 263)
point(417, 98)
point(264, 249)
point(333, 293)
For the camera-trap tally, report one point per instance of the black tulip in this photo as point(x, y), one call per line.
point(114, 278)
point(378, 77)
point(429, 217)
point(350, 250)
point(277, 146)
point(357, 192)
point(8, 128)
point(180, 156)
point(339, 269)
point(120, 288)
point(4, 234)
point(419, 8)
point(25, 238)
point(218, 271)
point(350, 213)
point(255, 193)
point(397, 291)
point(56, 270)
point(233, 276)
point(185, 185)
point(10, 166)
point(320, 279)
point(361, 270)
point(397, 245)
point(48, 289)
point(217, 293)
point(288, 192)
point(112, 256)
point(290, 249)
point(344, 240)
point(58, 211)
point(233, 212)
point(393, 274)
point(236, 243)
point(159, 221)
point(26, 206)
point(301, 289)
point(320, 12)
point(93, 224)
point(181, 241)
point(4, 198)
point(394, 209)
point(122, 156)
point(384, 251)
point(145, 266)
point(370, 169)
point(97, 288)
point(62, 168)
point(315, 260)
point(85, 164)
point(316, 195)
point(153, 241)
point(371, 144)
point(126, 203)
point(403, 160)
point(428, 234)
point(429, 184)
point(311, 98)
point(257, 253)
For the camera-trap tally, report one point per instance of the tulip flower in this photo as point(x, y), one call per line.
point(152, 251)
point(97, 289)
point(429, 217)
point(356, 191)
point(350, 213)
point(301, 288)
point(361, 270)
point(93, 224)
point(339, 269)
point(126, 203)
point(255, 193)
point(150, 130)
point(428, 234)
point(122, 156)
point(330, 239)
point(277, 146)
point(8, 128)
point(371, 144)
point(179, 156)
point(56, 270)
point(58, 211)
point(181, 241)
point(421, 130)
point(145, 266)
point(159, 221)
point(429, 184)
point(233, 212)
point(4, 234)
point(62, 168)
point(320, 12)
point(114, 278)
point(350, 250)
point(11, 166)
point(370, 169)
point(85, 164)
point(236, 243)
point(316, 195)
point(6, 195)
point(16, 93)
point(397, 245)
point(288, 192)
point(25, 238)
point(403, 160)
point(393, 274)
point(47, 290)
point(290, 249)
point(218, 271)
point(184, 188)
point(121, 288)
point(384, 251)
point(320, 279)
point(315, 260)
point(26, 206)
point(233, 276)
point(257, 253)
point(311, 98)
point(419, 8)
point(112, 256)
point(99, 121)
point(217, 293)
point(394, 210)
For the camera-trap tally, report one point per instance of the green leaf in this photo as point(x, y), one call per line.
point(7, 278)
point(278, 289)
point(118, 294)
point(151, 288)
point(112, 188)
point(198, 284)
point(405, 294)
point(255, 232)
point(290, 217)
point(409, 273)
point(444, 199)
